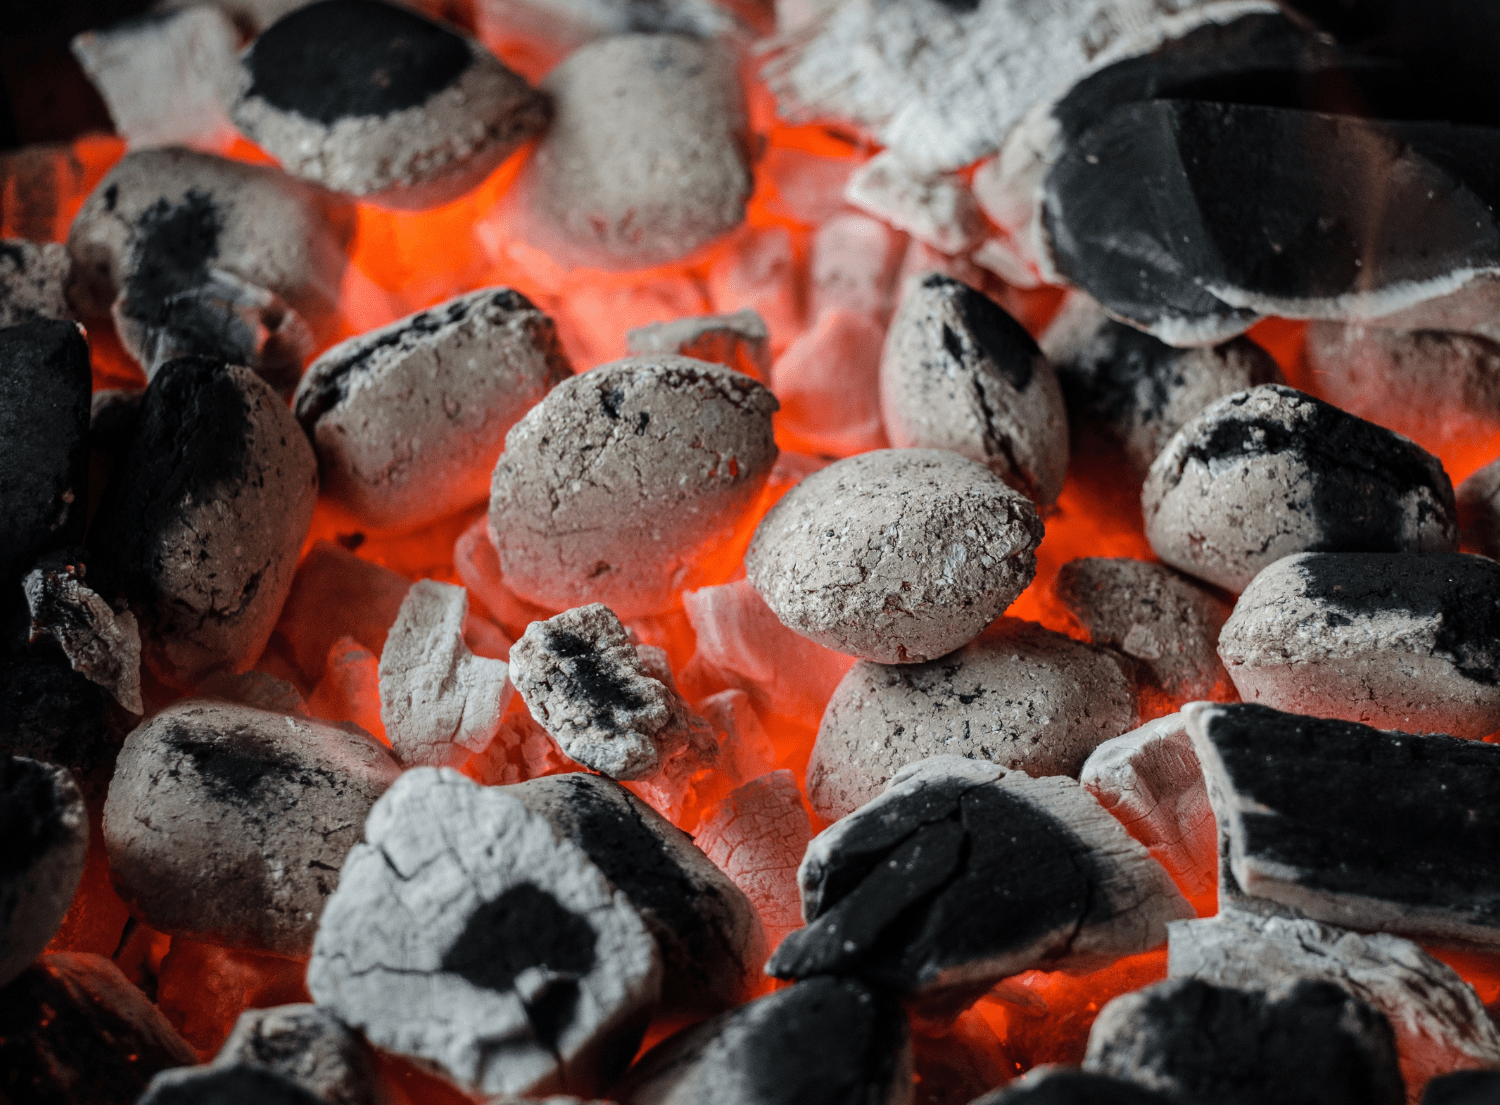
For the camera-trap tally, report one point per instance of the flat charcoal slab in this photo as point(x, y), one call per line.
point(45, 826)
point(213, 1085)
point(55, 715)
point(1314, 811)
point(34, 280)
point(1050, 1085)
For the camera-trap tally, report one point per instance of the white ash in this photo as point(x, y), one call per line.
point(1271, 471)
point(1479, 510)
point(828, 383)
point(309, 1046)
point(897, 556)
point(745, 752)
point(1020, 696)
point(434, 692)
point(228, 824)
point(47, 834)
point(1001, 256)
point(503, 957)
point(937, 209)
point(34, 279)
point(193, 1085)
point(740, 341)
point(1471, 309)
point(853, 266)
point(100, 642)
point(960, 373)
point(612, 486)
point(560, 26)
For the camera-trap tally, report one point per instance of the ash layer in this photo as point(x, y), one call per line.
point(45, 826)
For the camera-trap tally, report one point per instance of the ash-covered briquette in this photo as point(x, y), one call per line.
point(1479, 510)
point(613, 485)
point(201, 526)
point(1314, 811)
point(101, 643)
point(376, 100)
point(228, 824)
point(740, 341)
point(1395, 640)
point(959, 373)
point(711, 940)
point(1055, 1085)
point(1271, 471)
point(610, 187)
point(1020, 696)
point(1168, 624)
point(45, 827)
point(34, 279)
point(897, 556)
point(962, 874)
point(216, 1085)
point(504, 957)
point(1137, 390)
point(826, 1040)
point(1468, 1087)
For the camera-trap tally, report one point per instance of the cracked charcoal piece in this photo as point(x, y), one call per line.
point(434, 692)
point(1020, 696)
point(1049, 1085)
point(215, 1085)
point(1168, 624)
point(504, 958)
point(1397, 641)
point(408, 420)
point(375, 100)
point(1479, 510)
point(611, 487)
point(1439, 1021)
point(740, 341)
point(1313, 810)
point(613, 188)
point(1137, 390)
point(1269, 472)
point(711, 940)
point(962, 874)
point(1469, 1087)
point(228, 824)
point(565, 25)
point(1304, 1043)
point(45, 827)
point(825, 1040)
point(100, 643)
point(307, 1045)
point(897, 556)
point(959, 373)
point(34, 279)
point(202, 524)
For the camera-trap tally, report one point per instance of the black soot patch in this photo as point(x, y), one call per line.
point(30, 815)
point(233, 770)
point(601, 687)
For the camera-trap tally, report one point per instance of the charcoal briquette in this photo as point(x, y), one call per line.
point(1467, 1087)
point(45, 826)
point(1479, 510)
point(1053, 1085)
point(740, 341)
point(34, 279)
point(101, 643)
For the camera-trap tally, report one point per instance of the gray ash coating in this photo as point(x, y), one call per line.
point(344, 59)
point(238, 1085)
point(1009, 347)
point(30, 816)
point(591, 681)
point(239, 766)
point(1067, 1086)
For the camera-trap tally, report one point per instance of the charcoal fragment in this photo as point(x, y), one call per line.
point(1479, 510)
point(214, 1085)
point(740, 341)
point(307, 1046)
point(34, 279)
point(55, 715)
point(100, 642)
point(935, 209)
point(45, 826)
point(1049, 1085)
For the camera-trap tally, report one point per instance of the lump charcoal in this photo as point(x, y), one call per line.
point(1439, 1023)
point(1394, 640)
point(825, 1040)
point(254, 688)
point(1304, 1042)
point(559, 26)
point(897, 556)
point(740, 341)
point(612, 486)
point(1469, 1087)
point(505, 959)
point(45, 826)
point(307, 1045)
point(1269, 472)
point(1313, 810)
point(55, 715)
point(745, 751)
point(711, 940)
point(936, 209)
point(1020, 696)
point(74, 1031)
point(828, 383)
point(758, 268)
point(853, 265)
point(962, 874)
point(1168, 624)
point(1052, 1085)
point(1140, 391)
point(102, 644)
point(961, 1065)
point(201, 527)
point(34, 279)
point(337, 594)
point(960, 373)
point(213, 1085)
point(1479, 510)
point(228, 824)
point(377, 101)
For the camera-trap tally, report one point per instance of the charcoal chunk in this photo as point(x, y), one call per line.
point(101, 643)
point(1479, 510)
point(215, 1085)
point(1468, 1087)
point(34, 280)
point(740, 341)
point(45, 826)
point(1069, 1086)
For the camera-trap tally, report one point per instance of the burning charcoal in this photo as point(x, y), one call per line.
point(959, 373)
point(34, 281)
point(759, 269)
point(1167, 624)
point(1479, 510)
point(307, 1045)
point(1439, 1022)
point(745, 751)
point(853, 267)
point(609, 186)
point(962, 874)
point(897, 556)
point(1469, 1087)
point(45, 825)
point(74, 1031)
point(1137, 390)
point(938, 210)
point(504, 958)
point(1270, 471)
point(229, 823)
point(374, 100)
point(711, 940)
point(619, 479)
point(1196, 1043)
point(1397, 641)
point(962, 1064)
point(1020, 696)
point(823, 1040)
point(213, 1085)
point(337, 594)
point(739, 341)
point(51, 713)
point(1313, 810)
point(254, 688)
point(828, 383)
point(1050, 1085)
point(350, 688)
point(100, 643)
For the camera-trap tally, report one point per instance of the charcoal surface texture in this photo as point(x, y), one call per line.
point(1197, 1043)
point(34, 280)
point(1468, 1087)
point(214, 1085)
point(101, 643)
point(53, 714)
point(1271, 471)
point(740, 341)
point(505, 959)
point(897, 556)
point(1313, 810)
point(1070, 1086)
point(228, 824)
point(958, 372)
point(1479, 510)
point(828, 1040)
point(45, 825)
